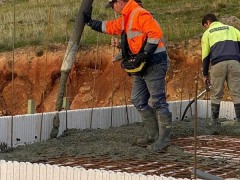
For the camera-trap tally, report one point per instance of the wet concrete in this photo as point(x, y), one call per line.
point(116, 143)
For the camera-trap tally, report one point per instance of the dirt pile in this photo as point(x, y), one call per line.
point(93, 81)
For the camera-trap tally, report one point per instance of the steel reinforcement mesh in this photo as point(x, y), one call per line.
point(223, 151)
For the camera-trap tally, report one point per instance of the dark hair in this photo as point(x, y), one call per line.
point(209, 17)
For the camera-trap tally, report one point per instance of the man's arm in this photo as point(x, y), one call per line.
point(205, 54)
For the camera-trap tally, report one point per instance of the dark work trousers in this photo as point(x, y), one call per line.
point(148, 91)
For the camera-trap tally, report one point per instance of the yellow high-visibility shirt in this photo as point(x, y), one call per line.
point(220, 42)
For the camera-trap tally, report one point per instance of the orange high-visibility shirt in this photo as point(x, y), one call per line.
point(138, 24)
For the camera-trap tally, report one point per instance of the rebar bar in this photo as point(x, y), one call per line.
point(94, 80)
point(13, 61)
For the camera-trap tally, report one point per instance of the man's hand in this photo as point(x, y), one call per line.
point(87, 15)
point(141, 57)
point(207, 83)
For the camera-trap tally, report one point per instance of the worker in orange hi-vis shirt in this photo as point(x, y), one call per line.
point(145, 58)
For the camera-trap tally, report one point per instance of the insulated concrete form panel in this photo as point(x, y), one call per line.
point(101, 118)
point(79, 119)
point(27, 128)
point(204, 109)
point(119, 116)
point(44, 122)
point(133, 114)
point(3, 129)
point(227, 110)
point(24, 130)
point(177, 108)
point(27, 171)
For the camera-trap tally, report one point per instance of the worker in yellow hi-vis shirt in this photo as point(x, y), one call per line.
point(221, 50)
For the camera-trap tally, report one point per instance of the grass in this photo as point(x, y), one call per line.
point(179, 19)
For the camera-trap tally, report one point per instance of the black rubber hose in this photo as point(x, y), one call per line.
point(192, 101)
point(185, 111)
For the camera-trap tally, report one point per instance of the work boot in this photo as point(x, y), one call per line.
point(150, 122)
point(237, 111)
point(164, 126)
point(215, 115)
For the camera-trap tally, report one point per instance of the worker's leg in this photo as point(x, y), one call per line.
point(233, 82)
point(218, 74)
point(140, 97)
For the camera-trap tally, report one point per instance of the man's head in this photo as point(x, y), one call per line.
point(117, 5)
point(112, 2)
point(208, 19)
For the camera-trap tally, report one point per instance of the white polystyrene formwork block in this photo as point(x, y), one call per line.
point(119, 116)
point(42, 171)
point(63, 173)
point(204, 108)
point(134, 116)
point(9, 132)
point(29, 171)
point(99, 175)
point(37, 120)
point(16, 170)
point(80, 119)
point(105, 175)
point(43, 126)
point(47, 125)
point(69, 173)
point(36, 171)
point(122, 115)
point(33, 130)
point(84, 174)
point(142, 177)
point(120, 176)
point(22, 171)
point(63, 122)
point(10, 171)
point(113, 175)
point(100, 117)
point(39, 126)
point(23, 130)
point(150, 177)
point(134, 176)
point(4, 129)
point(56, 172)
point(3, 170)
point(91, 174)
point(227, 110)
point(76, 173)
point(155, 177)
point(49, 171)
point(173, 109)
point(177, 108)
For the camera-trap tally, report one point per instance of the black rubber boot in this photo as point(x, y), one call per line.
point(237, 111)
point(164, 126)
point(215, 115)
point(150, 122)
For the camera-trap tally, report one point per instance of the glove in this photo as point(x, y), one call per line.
point(141, 57)
point(207, 84)
point(87, 15)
